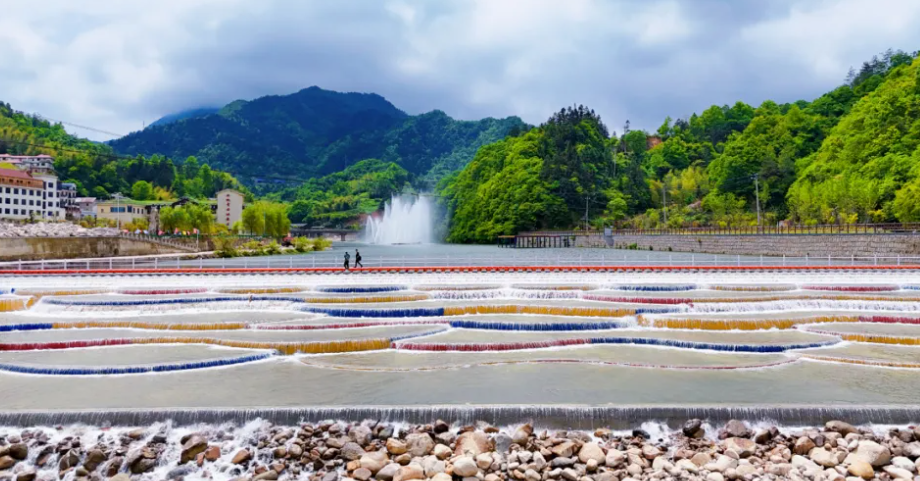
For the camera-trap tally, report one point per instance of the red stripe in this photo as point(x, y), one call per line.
point(504, 346)
point(41, 346)
point(640, 300)
point(324, 270)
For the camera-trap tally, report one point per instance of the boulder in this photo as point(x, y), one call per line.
point(701, 459)
point(6, 462)
point(93, 459)
point(693, 428)
point(190, 449)
point(650, 452)
point(441, 451)
point(803, 446)
point(374, 461)
point(483, 461)
point(433, 465)
point(688, 466)
point(503, 442)
point(241, 456)
point(823, 457)
point(911, 449)
point(18, 451)
point(898, 473)
point(744, 447)
point(591, 451)
point(472, 443)
point(764, 436)
point(614, 458)
point(564, 449)
point(903, 463)
point(410, 471)
point(27, 474)
point(840, 427)
point(522, 434)
point(352, 451)
point(465, 466)
point(871, 452)
point(736, 429)
point(396, 446)
point(361, 474)
point(388, 472)
point(419, 444)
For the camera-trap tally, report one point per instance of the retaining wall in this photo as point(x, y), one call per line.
point(798, 245)
point(37, 248)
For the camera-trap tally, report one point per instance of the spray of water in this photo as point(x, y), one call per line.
point(405, 220)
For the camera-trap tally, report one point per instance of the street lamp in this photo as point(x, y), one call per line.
point(118, 198)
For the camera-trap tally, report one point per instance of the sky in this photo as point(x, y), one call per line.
point(116, 65)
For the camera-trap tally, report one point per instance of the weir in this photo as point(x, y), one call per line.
point(542, 416)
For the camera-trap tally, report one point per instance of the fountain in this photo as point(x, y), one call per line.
point(406, 220)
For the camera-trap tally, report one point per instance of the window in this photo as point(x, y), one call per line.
point(6, 201)
point(16, 191)
point(6, 211)
point(16, 201)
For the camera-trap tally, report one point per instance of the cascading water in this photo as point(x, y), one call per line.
point(405, 220)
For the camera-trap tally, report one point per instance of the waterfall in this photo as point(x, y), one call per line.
point(405, 220)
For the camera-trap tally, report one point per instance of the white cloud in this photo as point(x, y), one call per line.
point(115, 65)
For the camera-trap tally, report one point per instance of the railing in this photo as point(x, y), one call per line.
point(162, 240)
point(793, 229)
point(309, 261)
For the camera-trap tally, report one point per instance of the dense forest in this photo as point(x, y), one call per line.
point(851, 155)
point(343, 197)
point(275, 141)
point(98, 172)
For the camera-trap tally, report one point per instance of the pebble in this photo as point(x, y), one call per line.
point(861, 469)
point(714, 477)
point(465, 466)
point(591, 451)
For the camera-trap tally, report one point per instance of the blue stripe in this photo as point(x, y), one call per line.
point(422, 334)
point(753, 348)
point(88, 371)
point(184, 300)
point(27, 327)
point(4, 290)
point(553, 326)
point(417, 312)
point(354, 290)
point(644, 288)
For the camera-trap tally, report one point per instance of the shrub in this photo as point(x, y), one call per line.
point(224, 247)
point(321, 244)
point(273, 248)
point(302, 244)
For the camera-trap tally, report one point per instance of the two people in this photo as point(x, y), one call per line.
point(357, 259)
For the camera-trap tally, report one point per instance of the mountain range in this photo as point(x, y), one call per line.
point(316, 132)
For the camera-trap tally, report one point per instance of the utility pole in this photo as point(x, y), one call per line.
point(757, 197)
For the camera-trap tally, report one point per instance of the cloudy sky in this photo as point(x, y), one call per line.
point(116, 64)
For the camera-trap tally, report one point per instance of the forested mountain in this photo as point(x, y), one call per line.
point(95, 168)
point(317, 132)
point(185, 114)
point(851, 155)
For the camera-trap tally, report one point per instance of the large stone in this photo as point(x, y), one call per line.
point(120, 477)
point(419, 444)
point(7, 462)
point(270, 475)
point(465, 466)
point(190, 449)
point(805, 465)
point(374, 461)
point(522, 434)
point(503, 442)
point(591, 451)
point(27, 474)
point(432, 465)
point(736, 429)
point(744, 447)
point(351, 451)
point(721, 464)
point(361, 474)
point(823, 457)
point(615, 458)
point(650, 452)
point(701, 459)
point(840, 427)
point(898, 473)
point(441, 451)
point(387, 472)
point(483, 461)
point(410, 471)
point(241, 456)
point(564, 449)
point(688, 466)
point(93, 459)
point(872, 453)
point(903, 463)
point(472, 443)
point(861, 469)
point(396, 446)
point(803, 446)
point(18, 451)
point(911, 449)
point(361, 434)
point(693, 428)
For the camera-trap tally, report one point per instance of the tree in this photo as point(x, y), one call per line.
point(142, 190)
point(266, 218)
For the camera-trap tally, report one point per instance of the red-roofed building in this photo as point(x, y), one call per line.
point(21, 195)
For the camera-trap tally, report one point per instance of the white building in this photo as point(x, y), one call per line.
point(20, 195)
point(42, 162)
point(86, 206)
point(229, 207)
point(51, 208)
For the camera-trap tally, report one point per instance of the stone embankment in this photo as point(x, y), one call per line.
point(799, 245)
point(53, 229)
point(440, 452)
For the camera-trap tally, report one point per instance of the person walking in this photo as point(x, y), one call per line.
point(358, 259)
point(347, 258)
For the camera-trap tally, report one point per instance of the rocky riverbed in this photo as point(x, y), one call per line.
point(260, 451)
point(53, 229)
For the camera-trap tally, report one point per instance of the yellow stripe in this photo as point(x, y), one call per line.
point(262, 290)
point(72, 292)
point(876, 339)
point(16, 304)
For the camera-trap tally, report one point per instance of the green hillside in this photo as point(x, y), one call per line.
point(848, 156)
point(316, 132)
